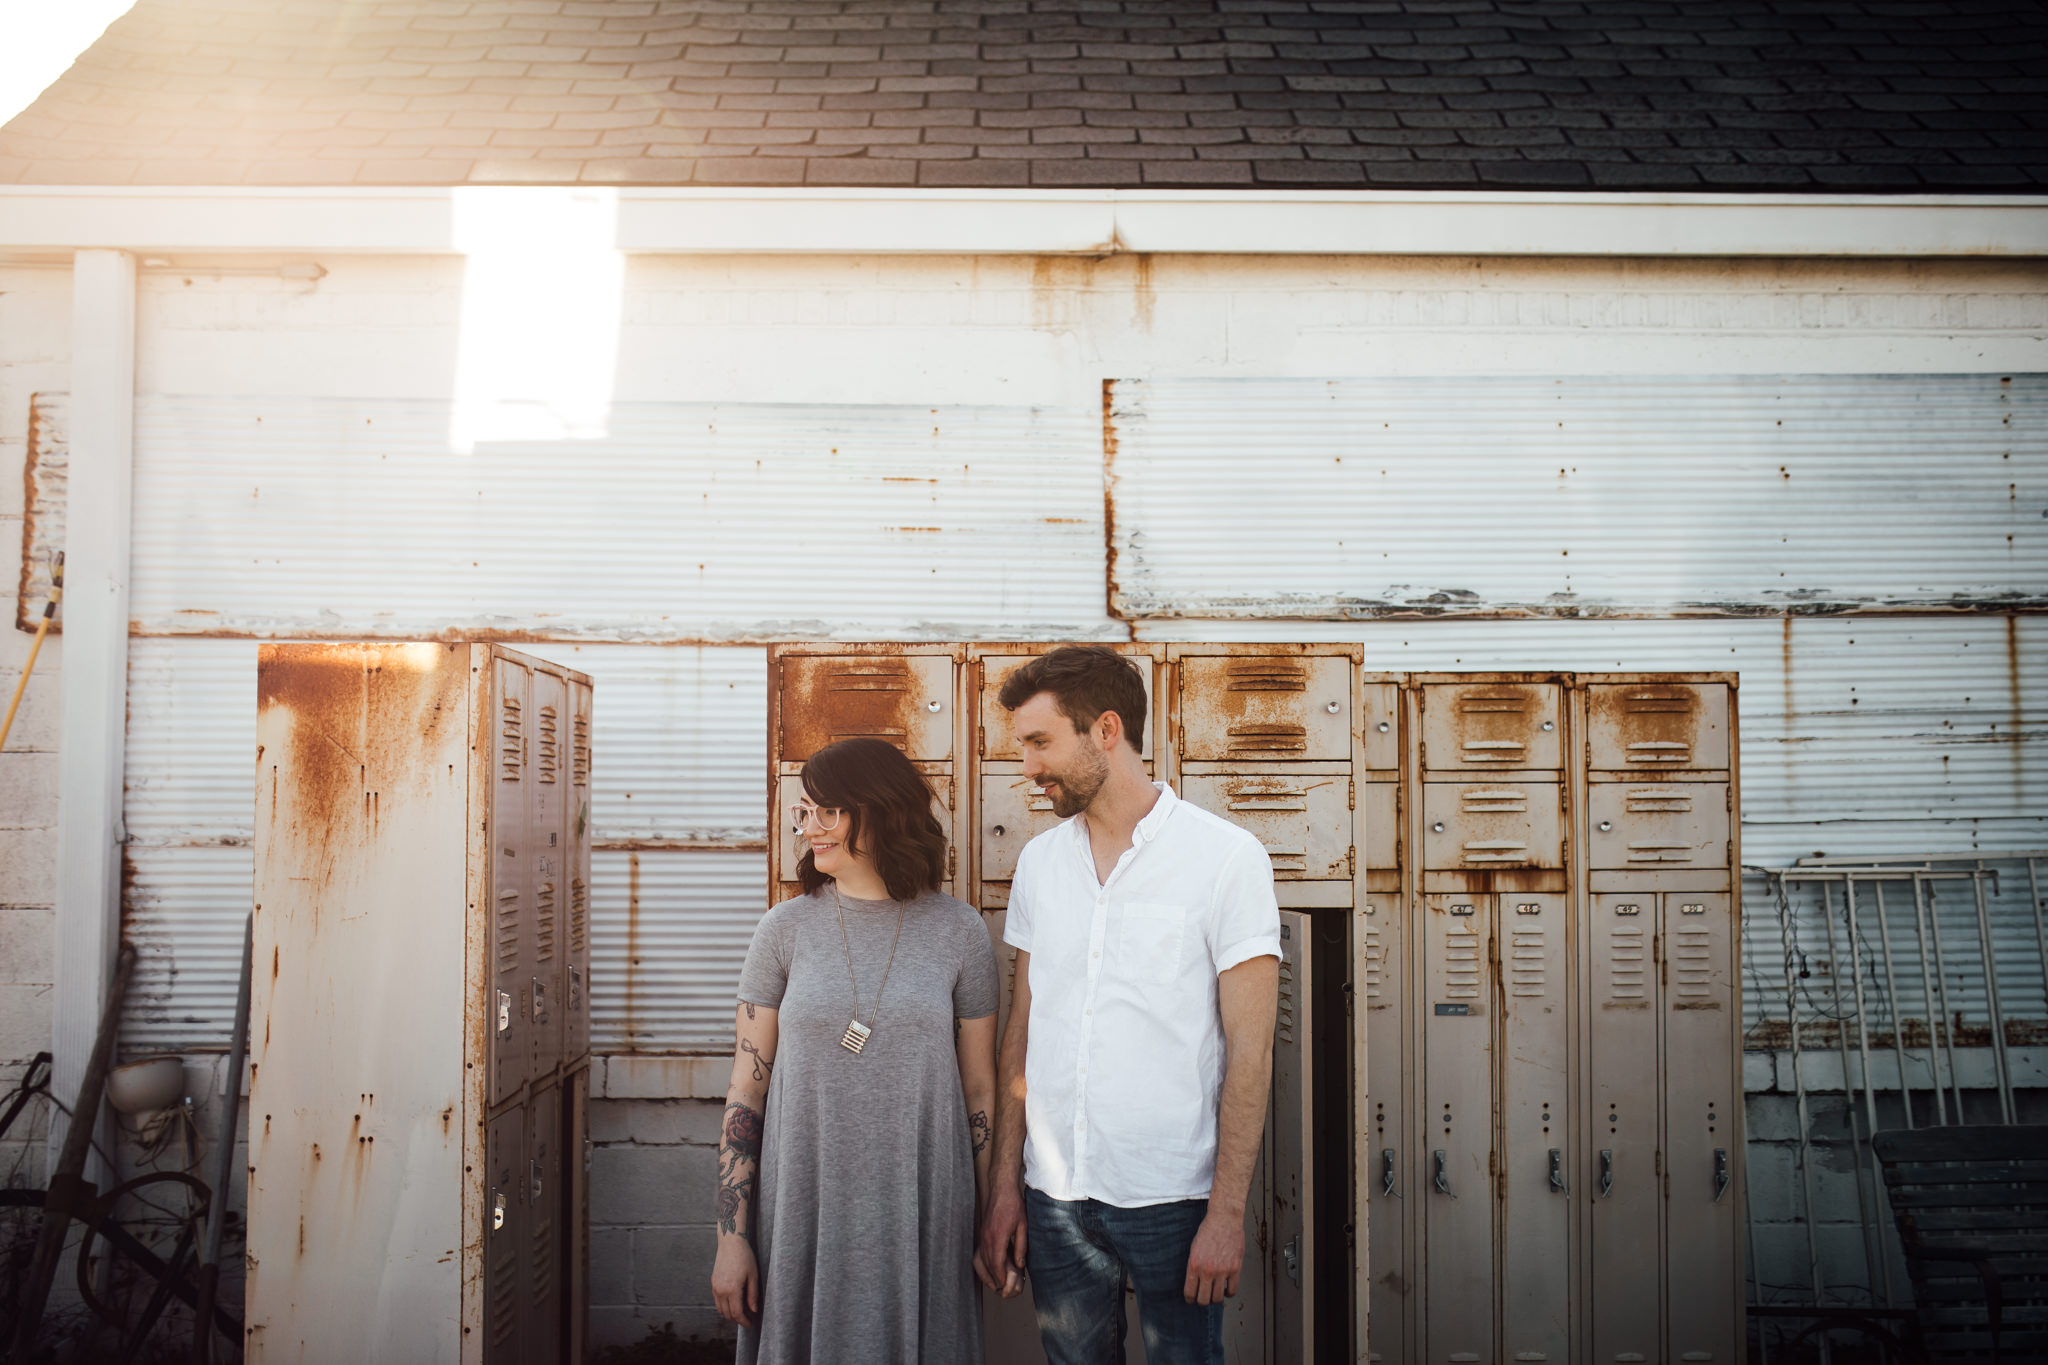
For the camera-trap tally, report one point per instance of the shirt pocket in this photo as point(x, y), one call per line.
point(1149, 944)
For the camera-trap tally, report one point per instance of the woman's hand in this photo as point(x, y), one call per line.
point(736, 1281)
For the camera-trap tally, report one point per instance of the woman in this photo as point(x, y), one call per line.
point(863, 1083)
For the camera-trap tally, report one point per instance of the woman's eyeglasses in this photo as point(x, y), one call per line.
point(802, 811)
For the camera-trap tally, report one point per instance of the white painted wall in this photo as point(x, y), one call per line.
point(1007, 331)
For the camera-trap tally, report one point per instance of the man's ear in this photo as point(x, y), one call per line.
point(1108, 730)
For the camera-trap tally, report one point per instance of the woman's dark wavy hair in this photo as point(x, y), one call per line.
point(889, 816)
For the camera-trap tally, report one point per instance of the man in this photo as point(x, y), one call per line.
point(1134, 1071)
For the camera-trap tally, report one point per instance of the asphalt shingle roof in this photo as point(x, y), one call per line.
point(1803, 95)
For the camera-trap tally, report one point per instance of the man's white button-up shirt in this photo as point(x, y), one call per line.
point(1124, 1063)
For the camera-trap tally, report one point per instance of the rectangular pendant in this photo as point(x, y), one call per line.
point(856, 1037)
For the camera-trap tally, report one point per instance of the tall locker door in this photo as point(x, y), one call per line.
point(504, 1233)
point(1292, 1260)
point(511, 890)
point(544, 1187)
point(1387, 1175)
point(575, 1187)
point(1456, 1127)
point(1536, 1207)
point(576, 870)
point(548, 833)
point(1621, 1172)
point(1701, 1135)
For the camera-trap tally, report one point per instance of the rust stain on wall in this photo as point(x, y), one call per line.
point(1109, 438)
point(632, 946)
point(45, 477)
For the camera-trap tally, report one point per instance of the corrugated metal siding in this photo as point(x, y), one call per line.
point(678, 752)
point(328, 518)
point(679, 740)
point(1653, 494)
point(668, 934)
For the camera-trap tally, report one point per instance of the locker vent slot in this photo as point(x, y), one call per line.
point(1285, 1025)
point(1659, 751)
point(542, 1259)
point(888, 734)
point(579, 915)
point(1503, 751)
point(1659, 853)
point(550, 745)
point(504, 1292)
point(1656, 800)
point(508, 930)
point(1268, 675)
point(579, 731)
point(1484, 801)
point(544, 922)
point(1375, 964)
point(1692, 963)
point(1481, 705)
point(1271, 797)
point(1628, 966)
point(1658, 704)
point(1267, 739)
point(1287, 859)
point(1526, 961)
point(868, 680)
point(1496, 851)
point(1461, 964)
point(511, 739)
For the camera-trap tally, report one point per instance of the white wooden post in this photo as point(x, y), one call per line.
point(93, 723)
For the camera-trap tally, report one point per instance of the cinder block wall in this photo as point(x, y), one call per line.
point(653, 1222)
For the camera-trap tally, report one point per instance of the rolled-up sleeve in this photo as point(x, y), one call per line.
point(1244, 922)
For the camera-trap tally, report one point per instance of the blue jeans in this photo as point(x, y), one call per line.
point(1079, 1254)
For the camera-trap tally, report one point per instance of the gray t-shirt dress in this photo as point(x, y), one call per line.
point(863, 1220)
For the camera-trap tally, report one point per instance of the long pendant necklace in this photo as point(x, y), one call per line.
point(857, 1033)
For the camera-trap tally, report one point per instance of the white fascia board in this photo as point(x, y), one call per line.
point(402, 221)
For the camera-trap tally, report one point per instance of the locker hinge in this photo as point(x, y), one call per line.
point(951, 862)
point(1351, 861)
point(981, 739)
point(1350, 794)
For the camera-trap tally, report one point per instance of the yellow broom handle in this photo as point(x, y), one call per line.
point(42, 629)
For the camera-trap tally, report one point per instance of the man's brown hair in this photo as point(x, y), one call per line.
point(1084, 681)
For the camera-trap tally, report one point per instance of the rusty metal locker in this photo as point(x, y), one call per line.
point(1291, 1262)
point(1533, 979)
point(575, 1185)
point(422, 874)
point(545, 1249)
point(1702, 1124)
point(1620, 1170)
point(1455, 1137)
point(505, 1235)
point(512, 929)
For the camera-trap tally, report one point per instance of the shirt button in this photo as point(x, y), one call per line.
point(1097, 954)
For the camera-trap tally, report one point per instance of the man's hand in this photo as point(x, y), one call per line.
point(1000, 1258)
point(1215, 1259)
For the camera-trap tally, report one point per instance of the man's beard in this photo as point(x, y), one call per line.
point(1072, 791)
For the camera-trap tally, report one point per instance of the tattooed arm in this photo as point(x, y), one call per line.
point(736, 1276)
point(976, 1043)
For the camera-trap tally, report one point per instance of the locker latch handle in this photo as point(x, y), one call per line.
point(540, 1002)
point(504, 1011)
point(533, 1176)
point(1443, 1175)
point(1606, 1171)
point(497, 1209)
point(1557, 1172)
point(1386, 1170)
point(1720, 1173)
point(1291, 1253)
